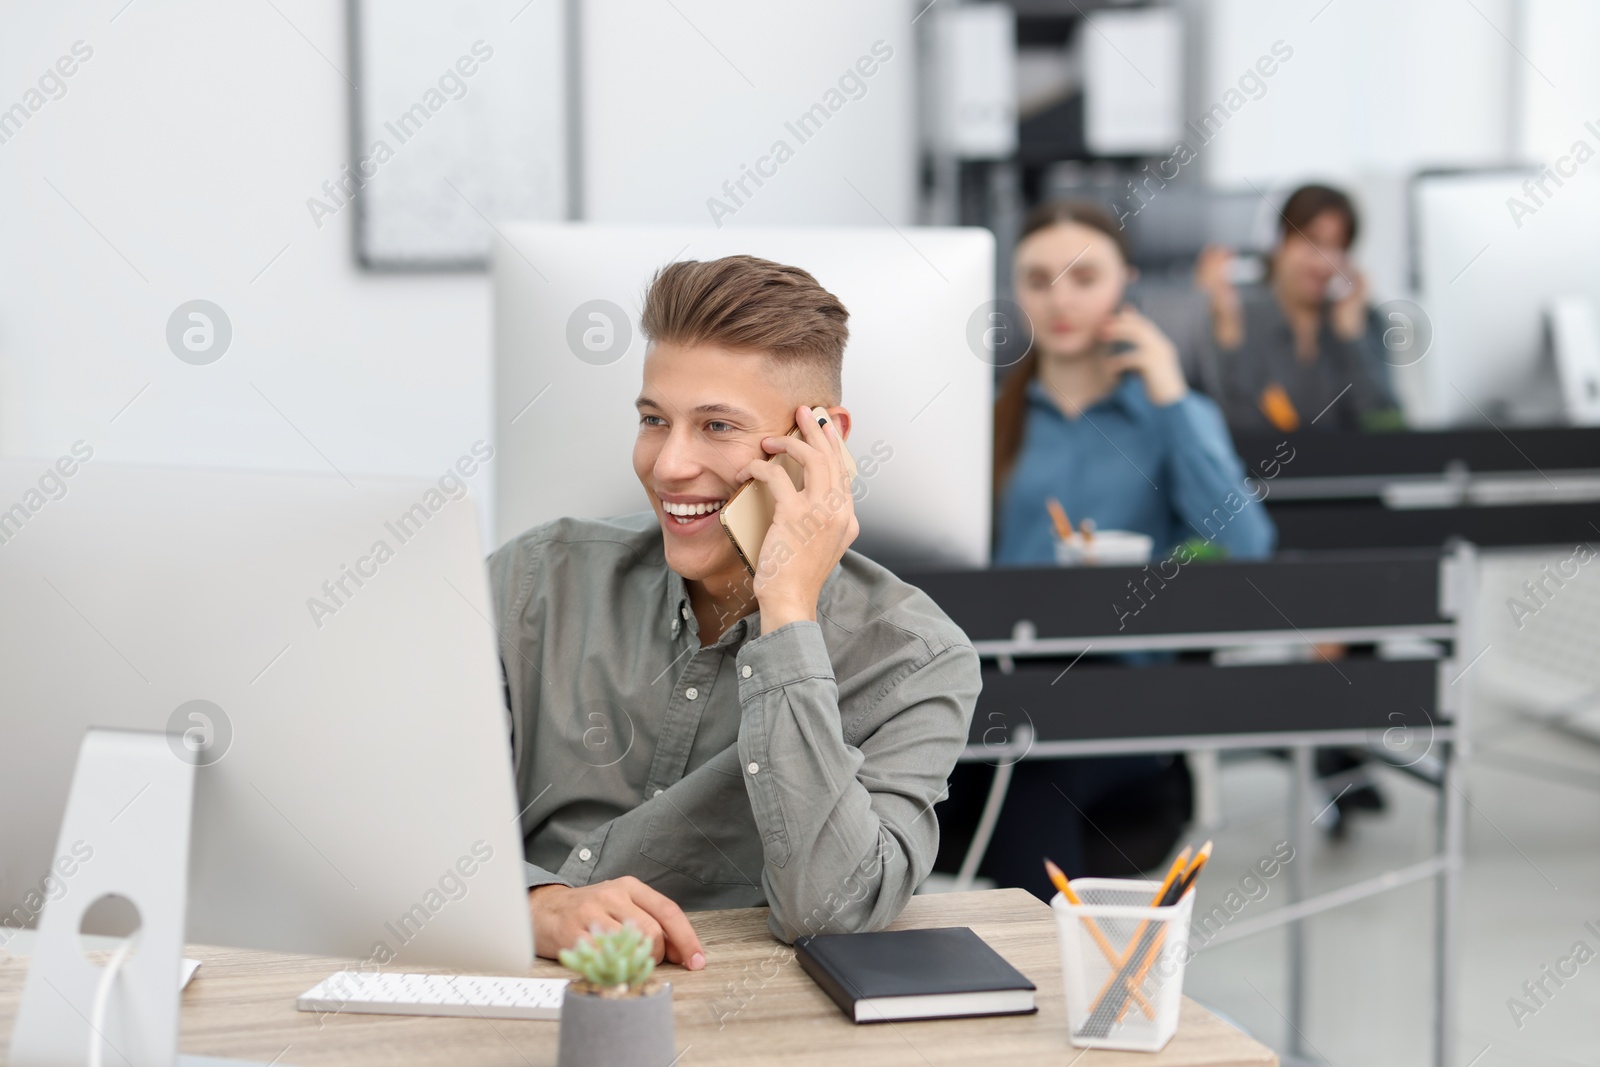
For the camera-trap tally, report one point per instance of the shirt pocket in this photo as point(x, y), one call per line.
point(703, 826)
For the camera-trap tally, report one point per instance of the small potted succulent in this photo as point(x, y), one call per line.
point(614, 1012)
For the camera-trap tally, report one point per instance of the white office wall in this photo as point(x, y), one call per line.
point(1558, 89)
point(1373, 87)
point(177, 166)
point(679, 98)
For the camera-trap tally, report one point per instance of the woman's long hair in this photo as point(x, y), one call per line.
point(1011, 406)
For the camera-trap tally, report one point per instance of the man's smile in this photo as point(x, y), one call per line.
point(689, 514)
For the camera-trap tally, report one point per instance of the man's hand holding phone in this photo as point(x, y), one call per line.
point(811, 527)
point(1213, 273)
point(1349, 313)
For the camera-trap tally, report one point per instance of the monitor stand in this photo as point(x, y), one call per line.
point(125, 833)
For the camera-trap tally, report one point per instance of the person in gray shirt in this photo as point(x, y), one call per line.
point(1303, 350)
point(687, 734)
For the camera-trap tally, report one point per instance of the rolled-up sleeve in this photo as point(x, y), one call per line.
point(848, 831)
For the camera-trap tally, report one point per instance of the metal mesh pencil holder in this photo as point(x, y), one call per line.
point(1123, 962)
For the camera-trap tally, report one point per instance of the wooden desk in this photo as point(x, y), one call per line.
point(752, 1004)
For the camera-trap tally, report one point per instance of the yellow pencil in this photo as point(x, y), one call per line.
point(1060, 881)
point(1179, 865)
point(1193, 871)
point(1185, 883)
point(1058, 515)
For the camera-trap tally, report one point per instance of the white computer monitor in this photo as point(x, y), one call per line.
point(357, 749)
point(1493, 263)
point(919, 390)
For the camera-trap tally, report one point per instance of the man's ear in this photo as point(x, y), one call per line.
point(841, 420)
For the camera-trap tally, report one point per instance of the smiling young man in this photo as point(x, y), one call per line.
point(689, 736)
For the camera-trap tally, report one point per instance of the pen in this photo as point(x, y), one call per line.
point(1058, 516)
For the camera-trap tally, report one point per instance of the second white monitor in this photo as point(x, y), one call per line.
point(1497, 258)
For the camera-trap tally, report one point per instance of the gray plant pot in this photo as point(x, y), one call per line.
point(620, 1032)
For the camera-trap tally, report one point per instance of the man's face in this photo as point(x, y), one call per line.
point(702, 414)
point(1309, 257)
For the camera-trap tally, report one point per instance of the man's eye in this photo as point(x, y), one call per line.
point(714, 423)
point(644, 420)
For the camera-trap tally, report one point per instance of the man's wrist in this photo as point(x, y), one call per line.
point(1346, 330)
point(783, 613)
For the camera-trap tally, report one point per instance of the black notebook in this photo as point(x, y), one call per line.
point(914, 974)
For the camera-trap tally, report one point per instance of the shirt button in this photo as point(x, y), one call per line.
point(675, 625)
point(656, 793)
point(746, 672)
point(753, 767)
point(684, 611)
point(584, 854)
point(691, 692)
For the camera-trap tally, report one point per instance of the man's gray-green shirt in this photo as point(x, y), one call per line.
point(796, 769)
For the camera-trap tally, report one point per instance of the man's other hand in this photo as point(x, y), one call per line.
point(562, 914)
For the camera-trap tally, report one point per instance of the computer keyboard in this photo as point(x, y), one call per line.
point(471, 995)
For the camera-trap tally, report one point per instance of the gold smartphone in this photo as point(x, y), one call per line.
point(747, 516)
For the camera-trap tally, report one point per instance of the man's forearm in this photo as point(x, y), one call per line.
point(831, 863)
point(847, 832)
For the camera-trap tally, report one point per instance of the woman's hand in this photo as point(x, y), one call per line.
point(1152, 357)
point(811, 527)
point(1349, 315)
point(1212, 275)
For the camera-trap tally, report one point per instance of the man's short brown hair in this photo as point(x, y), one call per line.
point(747, 304)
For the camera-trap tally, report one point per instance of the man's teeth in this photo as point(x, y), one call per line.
point(686, 513)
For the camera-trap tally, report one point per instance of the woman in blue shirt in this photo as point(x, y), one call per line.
point(1098, 415)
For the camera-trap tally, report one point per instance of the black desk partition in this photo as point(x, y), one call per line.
point(1031, 625)
point(1341, 490)
point(1187, 700)
point(1311, 591)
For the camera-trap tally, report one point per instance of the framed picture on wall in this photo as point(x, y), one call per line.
point(458, 120)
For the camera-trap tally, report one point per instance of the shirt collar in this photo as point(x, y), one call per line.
point(680, 612)
point(1128, 394)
